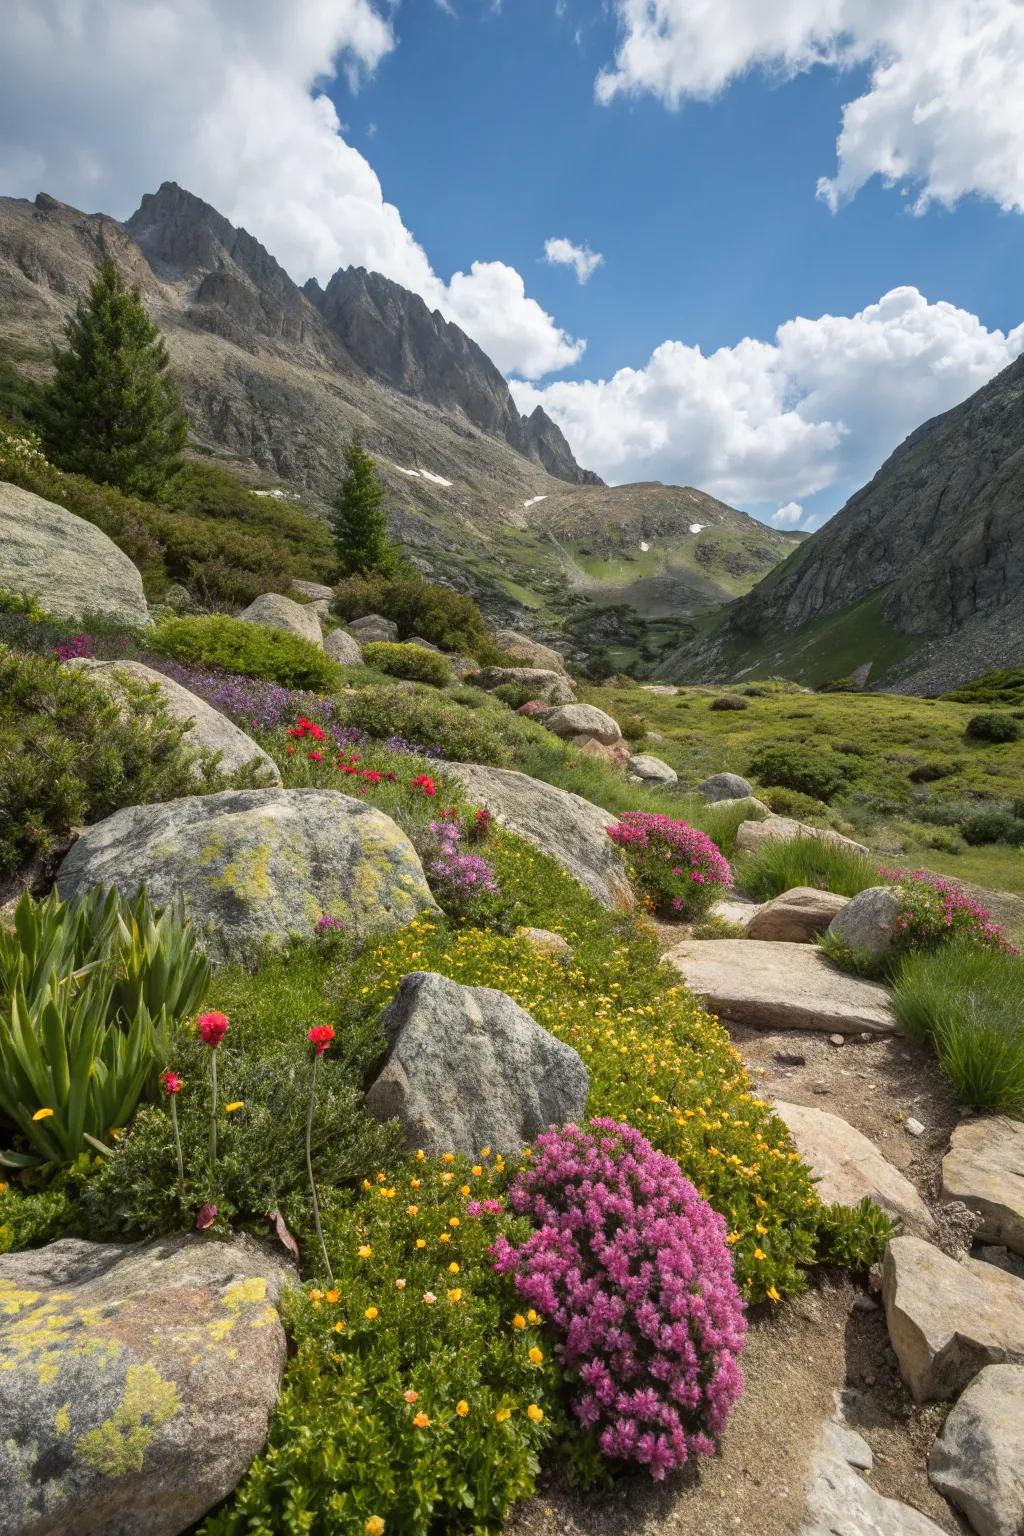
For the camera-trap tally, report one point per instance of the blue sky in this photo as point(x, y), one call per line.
point(810, 216)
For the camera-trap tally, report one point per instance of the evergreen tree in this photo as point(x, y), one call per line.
point(112, 410)
point(358, 520)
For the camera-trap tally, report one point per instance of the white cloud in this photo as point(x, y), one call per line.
point(223, 96)
point(943, 113)
point(788, 516)
point(581, 258)
point(770, 422)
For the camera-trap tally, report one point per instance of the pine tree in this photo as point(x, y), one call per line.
point(358, 520)
point(112, 410)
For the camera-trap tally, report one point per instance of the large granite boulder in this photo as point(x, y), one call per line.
point(528, 651)
point(849, 1166)
point(947, 1320)
point(767, 985)
point(343, 648)
point(867, 923)
point(136, 1381)
point(543, 683)
point(373, 627)
point(571, 720)
point(272, 611)
point(984, 1168)
point(977, 1462)
point(842, 1503)
point(569, 828)
point(209, 729)
point(642, 768)
point(255, 866)
point(753, 835)
point(467, 1068)
point(65, 563)
point(725, 786)
point(797, 916)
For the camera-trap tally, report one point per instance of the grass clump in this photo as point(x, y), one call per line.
point(810, 861)
point(232, 645)
point(968, 1001)
point(414, 662)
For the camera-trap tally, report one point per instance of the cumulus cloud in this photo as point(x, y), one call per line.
point(581, 258)
point(789, 516)
point(770, 422)
point(943, 113)
point(224, 96)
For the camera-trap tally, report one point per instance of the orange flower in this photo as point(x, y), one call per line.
point(421, 1421)
point(519, 1321)
point(410, 1396)
point(536, 1355)
point(462, 1408)
point(332, 1298)
point(365, 1252)
point(374, 1526)
point(371, 1314)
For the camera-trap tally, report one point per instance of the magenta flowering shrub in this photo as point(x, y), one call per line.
point(678, 868)
point(73, 647)
point(935, 910)
point(460, 881)
point(632, 1268)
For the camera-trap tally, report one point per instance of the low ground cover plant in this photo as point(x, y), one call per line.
point(779, 866)
point(217, 642)
point(820, 773)
point(410, 661)
point(449, 619)
point(967, 1000)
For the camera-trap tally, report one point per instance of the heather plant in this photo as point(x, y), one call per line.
point(217, 642)
point(461, 881)
point(632, 1269)
point(935, 911)
point(678, 868)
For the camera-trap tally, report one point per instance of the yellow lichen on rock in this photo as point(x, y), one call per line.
point(119, 1444)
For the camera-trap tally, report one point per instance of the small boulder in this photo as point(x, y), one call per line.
point(781, 986)
point(463, 666)
point(572, 830)
point(753, 808)
point(343, 648)
point(645, 769)
point(552, 687)
point(544, 938)
point(615, 753)
point(255, 866)
point(984, 1168)
point(210, 730)
point(947, 1319)
point(424, 645)
point(753, 835)
point(68, 565)
point(136, 1381)
point(272, 611)
point(572, 720)
point(467, 1067)
point(372, 627)
point(313, 591)
point(725, 786)
point(321, 607)
point(841, 1503)
point(530, 652)
point(849, 1166)
point(977, 1462)
point(867, 922)
point(797, 916)
point(178, 598)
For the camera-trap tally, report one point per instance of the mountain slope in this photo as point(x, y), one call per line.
point(276, 378)
point(918, 580)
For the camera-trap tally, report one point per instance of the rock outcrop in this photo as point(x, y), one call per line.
point(978, 1459)
point(343, 648)
point(797, 916)
point(781, 986)
point(271, 611)
point(552, 687)
point(530, 652)
point(136, 1382)
point(69, 566)
point(373, 627)
point(574, 720)
point(467, 1068)
point(254, 866)
point(753, 835)
point(984, 1168)
point(841, 1503)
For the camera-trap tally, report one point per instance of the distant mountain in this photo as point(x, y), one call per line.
point(275, 378)
point(917, 584)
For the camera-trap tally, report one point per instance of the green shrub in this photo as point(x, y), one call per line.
point(409, 661)
point(90, 993)
point(995, 726)
point(788, 765)
point(730, 701)
point(1002, 687)
point(515, 695)
point(929, 773)
point(234, 645)
point(792, 802)
point(777, 866)
point(446, 618)
point(70, 755)
point(633, 727)
point(993, 826)
point(487, 735)
point(968, 1001)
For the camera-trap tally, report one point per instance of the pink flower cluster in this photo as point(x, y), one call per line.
point(632, 1267)
point(679, 867)
point(937, 909)
point(455, 875)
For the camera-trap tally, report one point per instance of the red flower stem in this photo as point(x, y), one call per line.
point(213, 1114)
point(309, 1168)
point(177, 1148)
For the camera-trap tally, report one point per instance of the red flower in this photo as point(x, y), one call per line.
point(425, 782)
point(170, 1082)
point(304, 727)
point(212, 1027)
point(206, 1217)
point(315, 757)
point(320, 1036)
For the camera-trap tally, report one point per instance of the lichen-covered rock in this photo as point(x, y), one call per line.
point(68, 565)
point(867, 922)
point(530, 652)
point(977, 1462)
point(372, 627)
point(136, 1381)
point(582, 720)
point(552, 687)
point(272, 611)
point(254, 866)
point(725, 786)
point(344, 648)
point(566, 826)
point(209, 729)
point(467, 1068)
point(642, 768)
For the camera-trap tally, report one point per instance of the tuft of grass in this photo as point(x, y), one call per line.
point(968, 1000)
point(812, 861)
